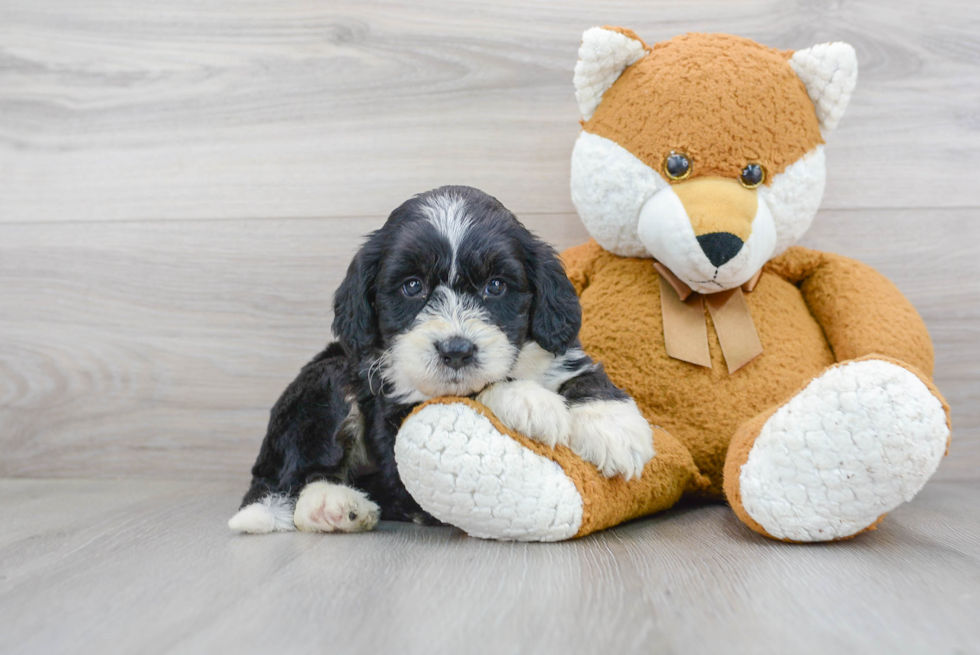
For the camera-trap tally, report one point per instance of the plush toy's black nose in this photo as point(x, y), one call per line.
point(456, 352)
point(720, 247)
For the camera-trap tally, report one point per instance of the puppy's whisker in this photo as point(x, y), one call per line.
point(378, 367)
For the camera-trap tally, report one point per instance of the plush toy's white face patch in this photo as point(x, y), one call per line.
point(794, 197)
point(631, 210)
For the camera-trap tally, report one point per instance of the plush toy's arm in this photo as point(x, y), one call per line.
point(861, 312)
point(580, 262)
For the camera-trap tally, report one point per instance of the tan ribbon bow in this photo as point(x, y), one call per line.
point(686, 329)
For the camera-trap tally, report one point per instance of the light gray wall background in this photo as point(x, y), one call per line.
point(182, 185)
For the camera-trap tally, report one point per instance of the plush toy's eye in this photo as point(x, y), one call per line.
point(752, 176)
point(495, 287)
point(677, 166)
point(413, 287)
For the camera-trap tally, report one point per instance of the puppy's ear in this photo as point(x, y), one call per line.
point(556, 315)
point(354, 321)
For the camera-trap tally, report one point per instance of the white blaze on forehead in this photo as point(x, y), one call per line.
point(447, 213)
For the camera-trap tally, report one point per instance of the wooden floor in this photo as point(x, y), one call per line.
point(182, 185)
point(102, 566)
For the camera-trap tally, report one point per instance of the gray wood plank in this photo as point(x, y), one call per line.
point(157, 348)
point(285, 108)
point(149, 567)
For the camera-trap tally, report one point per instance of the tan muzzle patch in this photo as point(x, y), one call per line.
point(718, 204)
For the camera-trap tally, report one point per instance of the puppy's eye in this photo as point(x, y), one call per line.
point(677, 166)
point(752, 176)
point(495, 287)
point(352, 516)
point(413, 287)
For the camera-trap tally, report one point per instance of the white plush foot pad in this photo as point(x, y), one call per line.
point(464, 472)
point(857, 442)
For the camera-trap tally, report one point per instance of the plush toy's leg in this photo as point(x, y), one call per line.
point(852, 445)
point(466, 469)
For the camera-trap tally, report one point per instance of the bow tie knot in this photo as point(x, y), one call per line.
point(686, 328)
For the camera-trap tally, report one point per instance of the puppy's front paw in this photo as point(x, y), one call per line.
point(327, 507)
point(529, 408)
point(613, 435)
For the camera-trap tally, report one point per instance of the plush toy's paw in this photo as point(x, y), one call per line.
point(529, 408)
point(613, 435)
point(857, 442)
point(464, 471)
point(327, 507)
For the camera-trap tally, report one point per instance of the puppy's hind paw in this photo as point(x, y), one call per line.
point(529, 408)
point(327, 507)
point(613, 435)
point(274, 513)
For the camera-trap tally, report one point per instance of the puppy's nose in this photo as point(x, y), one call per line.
point(456, 352)
point(720, 247)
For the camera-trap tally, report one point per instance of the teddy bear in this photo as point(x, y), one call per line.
point(793, 384)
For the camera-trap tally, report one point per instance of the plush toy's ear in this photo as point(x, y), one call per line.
point(829, 72)
point(354, 322)
point(603, 56)
point(556, 315)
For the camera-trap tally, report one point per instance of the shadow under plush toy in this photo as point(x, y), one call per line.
point(803, 395)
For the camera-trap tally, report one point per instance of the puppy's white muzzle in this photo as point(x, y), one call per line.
point(416, 365)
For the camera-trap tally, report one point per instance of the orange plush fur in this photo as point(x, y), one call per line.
point(703, 95)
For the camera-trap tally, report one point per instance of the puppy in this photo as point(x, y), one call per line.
point(452, 296)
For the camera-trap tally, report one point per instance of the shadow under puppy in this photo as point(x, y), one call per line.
point(453, 296)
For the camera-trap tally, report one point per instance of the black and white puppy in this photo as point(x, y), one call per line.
point(452, 296)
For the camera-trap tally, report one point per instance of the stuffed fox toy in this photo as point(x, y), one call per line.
point(795, 384)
